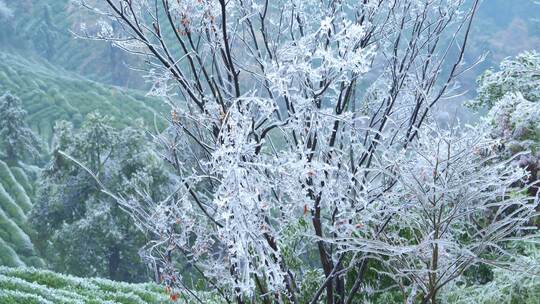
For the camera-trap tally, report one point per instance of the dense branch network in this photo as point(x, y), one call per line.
point(283, 114)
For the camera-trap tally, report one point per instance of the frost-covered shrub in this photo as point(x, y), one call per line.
point(59, 296)
point(19, 285)
point(507, 286)
point(512, 98)
point(456, 205)
point(17, 140)
point(516, 121)
point(17, 297)
point(515, 75)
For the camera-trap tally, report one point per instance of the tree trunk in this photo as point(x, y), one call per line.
point(114, 263)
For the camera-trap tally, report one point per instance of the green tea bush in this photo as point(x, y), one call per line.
point(8, 256)
point(23, 180)
point(30, 285)
point(17, 297)
point(508, 287)
point(49, 94)
point(11, 208)
point(16, 247)
point(47, 286)
point(15, 190)
point(15, 236)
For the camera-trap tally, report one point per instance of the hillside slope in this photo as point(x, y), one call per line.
point(29, 286)
point(23, 285)
point(16, 248)
point(45, 29)
point(49, 93)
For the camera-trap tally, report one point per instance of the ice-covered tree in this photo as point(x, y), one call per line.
point(81, 230)
point(281, 113)
point(16, 138)
point(455, 205)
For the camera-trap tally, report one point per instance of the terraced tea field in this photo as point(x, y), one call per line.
point(16, 193)
point(29, 286)
point(49, 94)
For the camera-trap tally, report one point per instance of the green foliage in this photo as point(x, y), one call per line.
point(13, 188)
point(49, 94)
point(16, 248)
point(10, 207)
point(45, 29)
point(292, 243)
point(28, 285)
point(509, 287)
point(23, 180)
point(80, 229)
point(14, 235)
point(8, 256)
point(311, 281)
point(16, 138)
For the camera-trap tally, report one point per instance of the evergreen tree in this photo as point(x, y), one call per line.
point(46, 35)
point(17, 139)
point(83, 231)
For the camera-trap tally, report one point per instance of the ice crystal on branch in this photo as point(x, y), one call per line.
point(283, 116)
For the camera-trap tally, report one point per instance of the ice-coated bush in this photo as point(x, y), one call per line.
point(17, 297)
point(57, 288)
point(508, 287)
point(30, 285)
